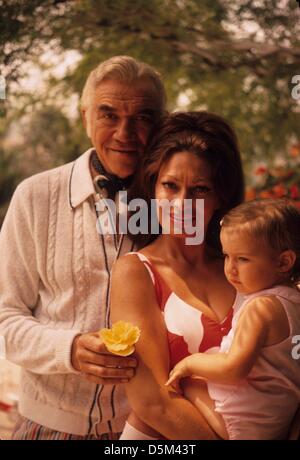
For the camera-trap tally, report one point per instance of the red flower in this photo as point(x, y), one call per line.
point(294, 192)
point(260, 170)
point(250, 194)
point(296, 204)
point(295, 150)
point(279, 190)
point(266, 194)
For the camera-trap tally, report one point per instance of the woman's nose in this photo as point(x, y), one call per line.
point(183, 202)
point(184, 194)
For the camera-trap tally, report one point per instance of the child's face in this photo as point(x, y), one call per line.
point(250, 266)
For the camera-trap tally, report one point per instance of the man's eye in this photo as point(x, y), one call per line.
point(110, 116)
point(144, 118)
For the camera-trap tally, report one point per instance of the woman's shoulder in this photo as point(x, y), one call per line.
point(132, 280)
point(131, 266)
point(129, 261)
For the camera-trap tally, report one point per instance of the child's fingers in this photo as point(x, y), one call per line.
point(172, 377)
point(173, 383)
point(170, 381)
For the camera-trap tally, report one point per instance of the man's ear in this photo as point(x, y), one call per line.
point(286, 261)
point(85, 121)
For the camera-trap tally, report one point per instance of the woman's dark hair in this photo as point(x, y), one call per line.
point(206, 135)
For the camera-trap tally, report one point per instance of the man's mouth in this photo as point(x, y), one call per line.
point(125, 151)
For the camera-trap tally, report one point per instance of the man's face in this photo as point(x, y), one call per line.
point(118, 122)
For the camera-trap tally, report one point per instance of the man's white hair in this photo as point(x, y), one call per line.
point(124, 69)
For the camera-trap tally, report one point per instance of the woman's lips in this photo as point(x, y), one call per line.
point(186, 219)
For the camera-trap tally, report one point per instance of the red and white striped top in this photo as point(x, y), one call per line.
point(189, 330)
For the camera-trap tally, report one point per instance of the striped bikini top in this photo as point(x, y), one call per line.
point(189, 330)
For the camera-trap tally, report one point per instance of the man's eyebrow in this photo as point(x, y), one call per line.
point(106, 108)
point(147, 111)
point(109, 109)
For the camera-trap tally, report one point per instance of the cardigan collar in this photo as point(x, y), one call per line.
point(81, 185)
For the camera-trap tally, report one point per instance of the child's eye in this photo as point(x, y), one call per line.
point(243, 259)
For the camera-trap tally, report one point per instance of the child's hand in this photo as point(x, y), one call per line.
point(177, 373)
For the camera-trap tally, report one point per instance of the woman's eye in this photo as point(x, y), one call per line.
point(243, 259)
point(169, 185)
point(201, 190)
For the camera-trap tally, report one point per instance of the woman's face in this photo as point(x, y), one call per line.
point(185, 180)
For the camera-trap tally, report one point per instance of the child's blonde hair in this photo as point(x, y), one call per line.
point(275, 222)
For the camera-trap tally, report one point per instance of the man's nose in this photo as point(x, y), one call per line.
point(125, 130)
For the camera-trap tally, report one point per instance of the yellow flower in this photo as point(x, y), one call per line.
point(120, 339)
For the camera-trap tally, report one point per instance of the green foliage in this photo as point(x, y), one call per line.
point(234, 58)
point(248, 81)
point(50, 133)
point(9, 179)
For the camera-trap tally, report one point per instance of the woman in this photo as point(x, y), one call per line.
point(191, 156)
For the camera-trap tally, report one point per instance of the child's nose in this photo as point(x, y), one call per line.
point(232, 268)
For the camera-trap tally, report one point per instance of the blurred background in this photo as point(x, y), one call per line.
point(238, 58)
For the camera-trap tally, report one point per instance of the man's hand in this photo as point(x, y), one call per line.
point(91, 358)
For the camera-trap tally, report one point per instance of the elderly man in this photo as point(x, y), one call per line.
point(55, 268)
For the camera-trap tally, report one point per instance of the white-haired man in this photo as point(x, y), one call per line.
point(55, 268)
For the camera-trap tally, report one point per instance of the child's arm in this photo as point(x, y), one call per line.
point(253, 328)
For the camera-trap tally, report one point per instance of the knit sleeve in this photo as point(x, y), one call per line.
point(34, 346)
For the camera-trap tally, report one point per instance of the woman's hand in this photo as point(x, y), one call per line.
point(91, 358)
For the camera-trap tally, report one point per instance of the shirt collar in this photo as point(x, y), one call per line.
point(81, 184)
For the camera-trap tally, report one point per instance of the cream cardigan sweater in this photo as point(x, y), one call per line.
point(54, 277)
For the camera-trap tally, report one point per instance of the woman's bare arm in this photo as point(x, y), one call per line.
point(133, 299)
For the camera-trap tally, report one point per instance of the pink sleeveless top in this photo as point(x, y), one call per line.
point(263, 405)
point(189, 330)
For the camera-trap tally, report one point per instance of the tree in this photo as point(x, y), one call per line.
point(9, 179)
point(233, 58)
point(238, 58)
